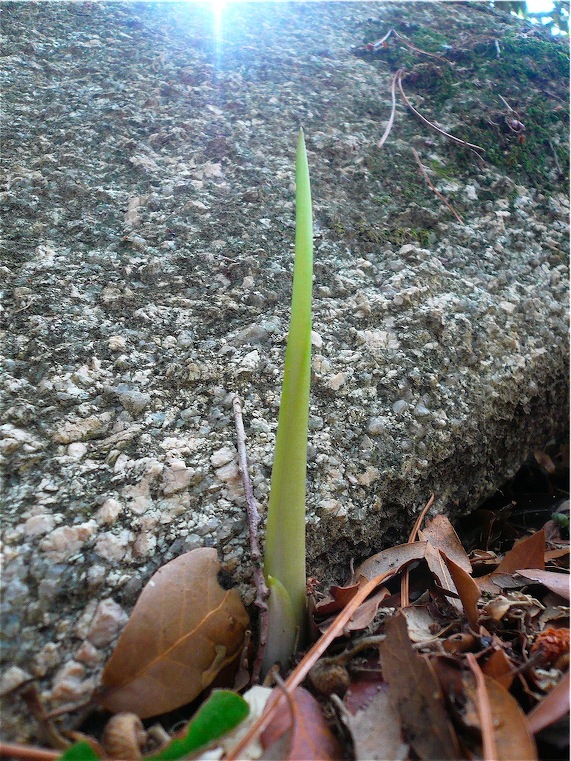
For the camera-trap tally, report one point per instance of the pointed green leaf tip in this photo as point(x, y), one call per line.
point(285, 533)
point(80, 751)
point(223, 711)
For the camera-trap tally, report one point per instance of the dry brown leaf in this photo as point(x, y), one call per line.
point(467, 588)
point(554, 706)
point(337, 599)
point(311, 739)
point(302, 669)
point(563, 552)
point(498, 666)
point(438, 566)
point(416, 693)
point(391, 559)
point(363, 616)
point(375, 726)
point(555, 582)
point(440, 533)
point(512, 739)
point(183, 630)
point(529, 553)
point(421, 626)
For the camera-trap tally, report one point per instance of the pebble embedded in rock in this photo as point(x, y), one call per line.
point(108, 619)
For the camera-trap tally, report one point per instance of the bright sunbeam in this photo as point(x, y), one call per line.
point(539, 6)
point(217, 7)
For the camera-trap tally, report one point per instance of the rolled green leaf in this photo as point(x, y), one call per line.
point(223, 711)
point(285, 533)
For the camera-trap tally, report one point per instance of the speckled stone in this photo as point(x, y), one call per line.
point(146, 277)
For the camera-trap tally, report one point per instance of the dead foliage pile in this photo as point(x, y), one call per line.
point(428, 651)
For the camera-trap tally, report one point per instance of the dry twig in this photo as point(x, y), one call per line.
point(262, 591)
point(393, 109)
point(438, 193)
point(486, 719)
point(433, 126)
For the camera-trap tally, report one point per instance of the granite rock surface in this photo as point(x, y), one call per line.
point(146, 269)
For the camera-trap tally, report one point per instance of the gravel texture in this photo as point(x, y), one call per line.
point(146, 267)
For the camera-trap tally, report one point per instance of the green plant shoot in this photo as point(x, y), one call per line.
point(284, 563)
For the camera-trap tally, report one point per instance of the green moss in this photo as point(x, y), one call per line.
point(526, 71)
point(440, 169)
point(401, 235)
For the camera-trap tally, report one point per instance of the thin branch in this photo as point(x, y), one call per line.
point(262, 591)
point(418, 50)
point(490, 750)
point(555, 157)
point(506, 104)
point(417, 524)
point(27, 752)
point(380, 43)
point(404, 582)
point(393, 109)
point(430, 124)
point(438, 193)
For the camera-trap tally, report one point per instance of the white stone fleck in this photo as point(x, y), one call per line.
point(88, 654)
point(12, 678)
point(223, 456)
point(77, 450)
point(112, 546)
point(47, 658)
point(65, 541)
point(249, 362)
point(370, 475)
point(376, 425)
point(333, 508)
point(38, 525)
point(176, 477)
point(81, 429)
point(70, 684)
point(108, 619)
point(109, 511)
point(337, 381)
point(144, 545)
point(316, 339)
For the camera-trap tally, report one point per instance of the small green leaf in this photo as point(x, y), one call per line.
point(223, 711)
point(81, 751)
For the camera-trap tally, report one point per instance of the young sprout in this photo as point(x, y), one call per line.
point(284, 563)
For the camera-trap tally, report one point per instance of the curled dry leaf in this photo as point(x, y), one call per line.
point(554, 706)
point(511, 735)
point(555, 582)
point(499, 667)
point(183, 630)
point(124, 737)
point(545, 461)
point(374, 723)
point(311, 739)
point(337, 599)
point(421, 625)
point(529, 553)
point(467, 588)
point(363, 616)
point(441, 535)
point(415, 691)
point(390, 560)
